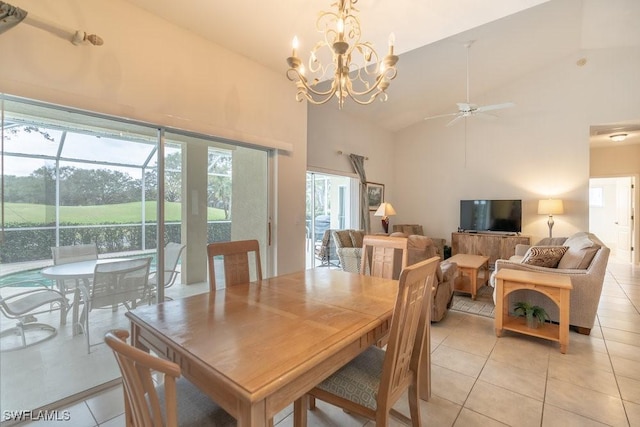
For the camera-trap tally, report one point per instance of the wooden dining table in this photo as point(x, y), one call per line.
point(255, 348)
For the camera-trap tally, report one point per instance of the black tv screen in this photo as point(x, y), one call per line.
point(491, 215)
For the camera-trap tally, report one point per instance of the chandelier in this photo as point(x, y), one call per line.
point(355, 67)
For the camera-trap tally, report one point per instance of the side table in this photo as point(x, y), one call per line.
point(469, 265)
point(556, 287)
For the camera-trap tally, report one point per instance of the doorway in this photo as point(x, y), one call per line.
point(611, 202)
point(332, 202)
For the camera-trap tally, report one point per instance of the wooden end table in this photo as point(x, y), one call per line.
point(469, 265)
point(555, 286)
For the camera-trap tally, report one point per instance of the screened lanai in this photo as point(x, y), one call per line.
point(69, 178)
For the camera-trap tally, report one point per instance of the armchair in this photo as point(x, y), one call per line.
point(348, 244)
point(585, 262)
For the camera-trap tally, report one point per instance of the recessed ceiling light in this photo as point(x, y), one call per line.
point(618, 137)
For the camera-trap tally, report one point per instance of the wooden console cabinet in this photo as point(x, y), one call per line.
point(495, 246)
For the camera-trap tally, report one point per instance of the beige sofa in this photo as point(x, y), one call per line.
point(585, 262)
point(349, 249)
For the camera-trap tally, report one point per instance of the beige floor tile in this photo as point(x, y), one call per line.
point(627, 351)
point(626, 367)
point(629, 389)
point(457, 360)
point(553, 416)
point(622, 324)
point(118, 421)
point(588, 403)
point(633, 413)
point(450, 385)
point(583, 374)
point(512, 378)
point(472, 342)
point(438, 412)
point(617, 335)
point(504, 405)
point(523, 352)
point(107, 405)
point(468, 418)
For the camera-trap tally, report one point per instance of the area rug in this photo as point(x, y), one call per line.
point(482, 306)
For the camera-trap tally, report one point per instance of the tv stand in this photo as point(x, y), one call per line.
point(495, 245)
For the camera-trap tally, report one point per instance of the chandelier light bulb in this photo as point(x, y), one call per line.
point(341, 64)
point(294, 45)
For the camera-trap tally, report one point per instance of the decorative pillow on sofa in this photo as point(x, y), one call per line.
point(544, 256)
point(580, 253)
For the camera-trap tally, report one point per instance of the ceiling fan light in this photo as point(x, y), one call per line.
point(618, 137)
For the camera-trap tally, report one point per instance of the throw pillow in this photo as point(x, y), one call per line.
point(580, 253)
point(544, 256)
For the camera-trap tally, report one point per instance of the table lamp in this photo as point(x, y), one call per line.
point(385, 211)
point(550, 207)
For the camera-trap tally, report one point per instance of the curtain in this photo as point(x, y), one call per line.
point(358, 166)
point(10, 16)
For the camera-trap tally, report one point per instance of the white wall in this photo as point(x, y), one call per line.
point(331, 130)
point(152, 71)
point(538, 149)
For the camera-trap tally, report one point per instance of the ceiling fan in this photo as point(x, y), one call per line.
point(467, 109)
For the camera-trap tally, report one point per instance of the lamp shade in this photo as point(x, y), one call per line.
point(550, 207)
point(385, 210)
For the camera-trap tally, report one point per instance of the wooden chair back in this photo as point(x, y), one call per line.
point(237, 268)
point(408, 324)
point(383, 256)
point(401, 363)
point(143, 406)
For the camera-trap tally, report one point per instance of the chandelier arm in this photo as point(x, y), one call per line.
point(304, 86)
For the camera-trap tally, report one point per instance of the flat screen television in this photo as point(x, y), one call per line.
point(491, 215)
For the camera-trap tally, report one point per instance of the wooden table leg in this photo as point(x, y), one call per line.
point(564, 320)
point(499, 310)
point(300, 412)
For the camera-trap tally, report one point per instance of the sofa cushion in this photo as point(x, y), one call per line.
point(356, 238)
point(544, 256)
point(580, 253)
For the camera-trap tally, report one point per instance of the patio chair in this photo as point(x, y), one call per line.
point(22, 306)
point(175, 402)
point(69, 254)
point(172, 253)
point(235, 260)
point(119, 282)
point(371, 383)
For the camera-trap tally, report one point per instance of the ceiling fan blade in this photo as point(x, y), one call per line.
point(495, 107)
point(452, 122)
point(440, 115)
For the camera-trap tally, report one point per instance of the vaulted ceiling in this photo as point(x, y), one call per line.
point(512, 38)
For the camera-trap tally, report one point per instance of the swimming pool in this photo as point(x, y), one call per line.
point(36, 278)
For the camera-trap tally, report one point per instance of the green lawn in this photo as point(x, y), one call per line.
point(124, 213)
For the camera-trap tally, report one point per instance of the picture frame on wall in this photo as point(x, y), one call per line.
point(375, 195)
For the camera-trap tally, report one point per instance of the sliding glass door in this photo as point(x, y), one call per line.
point(332, 203)
point(72, 179)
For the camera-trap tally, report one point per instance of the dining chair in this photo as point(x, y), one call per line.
point(371, 383)
point(172, 253)
point(21, 306)
point(236, 255)
point(120, 282)
point(175, 402)
point(383, 256)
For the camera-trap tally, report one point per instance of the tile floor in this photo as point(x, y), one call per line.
point(481, 380)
